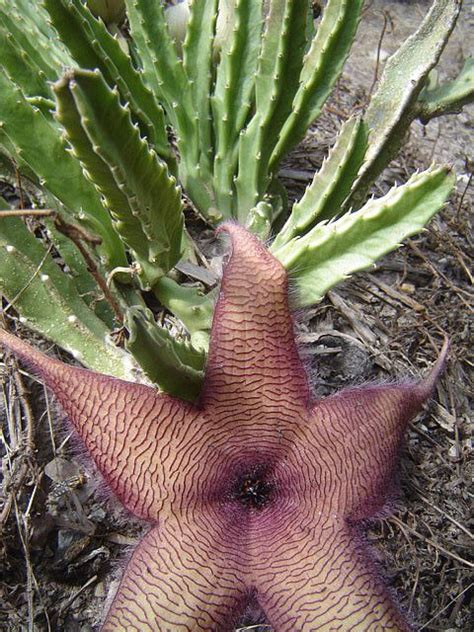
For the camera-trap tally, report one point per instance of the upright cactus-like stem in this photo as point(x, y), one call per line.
point(322, 66)
point(395, 104)
point(281, 55)
point(449, 97)
point(37, 141)
point(331, 185)
point(197, 62)
point(142, 197)
point(233, 98)
point(93, 47)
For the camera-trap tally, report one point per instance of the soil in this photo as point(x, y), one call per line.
point(63, 540)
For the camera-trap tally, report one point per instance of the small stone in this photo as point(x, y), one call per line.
point(408, 288)
point(97, 514)
point(454, 453)
point(60, 469)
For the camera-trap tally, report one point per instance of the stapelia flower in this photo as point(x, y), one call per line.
point(254, 493)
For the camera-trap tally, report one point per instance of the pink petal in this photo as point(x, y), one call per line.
point(130, 430)
point(253, 359)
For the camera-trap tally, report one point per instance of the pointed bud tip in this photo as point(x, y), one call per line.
point(426, 386)
point(39, 363)
point(439, 365)
point(249, 253)
point(244, 243)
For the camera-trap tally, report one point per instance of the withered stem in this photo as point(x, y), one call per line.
point(77, 235)
point(27, 212)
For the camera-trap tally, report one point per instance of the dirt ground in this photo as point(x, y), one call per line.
point(62, 542)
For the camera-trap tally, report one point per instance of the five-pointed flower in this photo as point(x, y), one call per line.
point(255, 492)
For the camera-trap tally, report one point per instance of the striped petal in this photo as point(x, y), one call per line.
point(253, 358)
point(320, 578)
point(358, 434)
point(130, 430)
point(180, 577)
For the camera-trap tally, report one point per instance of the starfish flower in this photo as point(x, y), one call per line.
point(255, 493)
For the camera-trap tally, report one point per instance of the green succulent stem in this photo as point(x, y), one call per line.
point(449, 97)
point(180, 369)
point(37, 142)
point(134, 183)
point(49, 302)
point(189, 304)
point(325, 196)
point(394, 106)
point(93, 47)
point(333, 250)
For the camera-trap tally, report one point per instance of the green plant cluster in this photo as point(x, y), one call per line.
point(110, 130)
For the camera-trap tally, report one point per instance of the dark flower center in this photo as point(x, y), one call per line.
point(253, 491)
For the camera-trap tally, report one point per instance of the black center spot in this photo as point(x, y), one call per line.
point(253, 491)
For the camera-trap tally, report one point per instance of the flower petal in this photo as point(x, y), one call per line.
point(320, 578)
point(178, 578)
point(130, 430)
point(253, 357)
point(367, 425)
